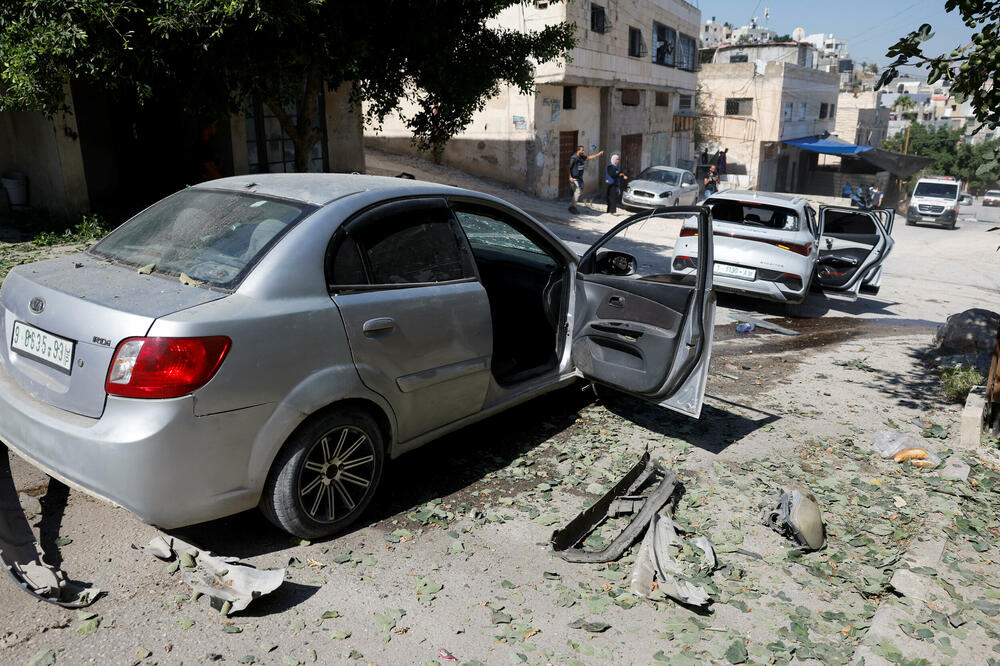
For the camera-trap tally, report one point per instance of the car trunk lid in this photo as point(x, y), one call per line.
point(94, 305)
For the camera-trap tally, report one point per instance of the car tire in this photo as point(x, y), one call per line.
point(325, 475)
point(952, 225)
point(910, 223)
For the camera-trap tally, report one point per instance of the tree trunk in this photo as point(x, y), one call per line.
point(302, 132)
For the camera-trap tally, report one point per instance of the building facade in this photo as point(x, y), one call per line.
point(755, 107)
point(860, 119)
point(628, 87)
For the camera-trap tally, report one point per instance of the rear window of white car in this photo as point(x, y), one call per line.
point(992, 193)
point(939, 190)
point(210, 237)
point(753, 214)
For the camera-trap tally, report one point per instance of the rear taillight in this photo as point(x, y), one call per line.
point(164, 367)
point(683, 263)
point(688, 231)
point(804, 250)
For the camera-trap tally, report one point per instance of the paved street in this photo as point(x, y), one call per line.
point(454, 555)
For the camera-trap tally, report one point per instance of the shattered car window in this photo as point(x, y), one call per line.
point(486, 232)
point(753, 214)
point(210, 237)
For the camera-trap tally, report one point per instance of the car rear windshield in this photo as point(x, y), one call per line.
point(940, 190)
point(210, 237)
point(660, 176)
point(753, 214)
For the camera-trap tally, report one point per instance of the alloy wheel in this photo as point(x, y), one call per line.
point(337, 474)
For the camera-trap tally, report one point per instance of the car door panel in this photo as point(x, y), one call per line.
point(852, 246)
point(648, 333)
point(425, 347)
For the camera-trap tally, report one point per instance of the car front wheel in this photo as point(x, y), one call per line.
point(325, 475)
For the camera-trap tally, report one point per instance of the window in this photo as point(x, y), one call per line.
point(685, 102)
point(833, 110)
point(686, 50)
point(636, 49)
point(662, 99)
point(270, 149)
point(569, 97)
point(630, 97)
point(664, 44)
point(688, 178)
point(754, 215)
point(405, 243)
point(803, 110)
point(739, 106)
point(484, 229)
point(823, 109)
point(598, 19)
point(739, 57)
point(788, 111)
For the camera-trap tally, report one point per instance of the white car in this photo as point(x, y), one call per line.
point(935, 200)
point(660, 186)
point(774, 246)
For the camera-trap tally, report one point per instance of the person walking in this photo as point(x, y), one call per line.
point(613, 178)
point(722, 162)
point(576, 164)
point(711, 181)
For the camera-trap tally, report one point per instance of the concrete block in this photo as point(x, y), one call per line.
point(955, 470)
point(924, 553)
point(972, 419)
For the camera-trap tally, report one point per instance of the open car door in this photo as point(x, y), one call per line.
point(853, 245)
point(644, 320)
point(886, 216)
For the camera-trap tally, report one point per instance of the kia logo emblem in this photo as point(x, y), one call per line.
point(37, 305)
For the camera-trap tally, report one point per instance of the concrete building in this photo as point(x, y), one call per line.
point(756, 107)
point(752, 33)
point(713, 34)
point(110, 156)
point(801, 54)
point(832, 56)
point(628, 87)
point(860, 119)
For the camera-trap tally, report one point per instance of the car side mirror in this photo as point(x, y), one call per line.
point(610, 262)
point(965, 200)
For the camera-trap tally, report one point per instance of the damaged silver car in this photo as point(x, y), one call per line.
point(272, 340)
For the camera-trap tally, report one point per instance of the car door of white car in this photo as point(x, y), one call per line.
point(417, 318)
point(853, 245)
point(639, 327)
point(690, 189)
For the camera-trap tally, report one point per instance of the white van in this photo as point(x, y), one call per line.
point(935, 200)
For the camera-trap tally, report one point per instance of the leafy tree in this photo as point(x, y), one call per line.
point(213, 54)
point(783, 38)
point(952, 156)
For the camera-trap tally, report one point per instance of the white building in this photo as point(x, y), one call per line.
point(628, 87)
point(713, 34)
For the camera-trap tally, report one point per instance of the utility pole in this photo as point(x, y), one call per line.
point(906, 145)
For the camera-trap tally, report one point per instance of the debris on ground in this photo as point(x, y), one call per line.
point(902, 448)
point(672, 561)
point(797, 516)
point(752, 322)
point(229, 584)
point(745, 327)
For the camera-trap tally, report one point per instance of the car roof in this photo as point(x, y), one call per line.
point(321, 188)
point(768, 198)
point(664, 168)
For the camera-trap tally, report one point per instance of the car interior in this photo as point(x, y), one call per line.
point(754, 215)
point(526, 288)
point(836, 266)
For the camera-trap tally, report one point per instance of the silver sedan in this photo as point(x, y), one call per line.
point(272, 340)
point(660, 186)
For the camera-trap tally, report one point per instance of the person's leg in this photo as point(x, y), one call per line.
point(577, 189)
point(609, 197)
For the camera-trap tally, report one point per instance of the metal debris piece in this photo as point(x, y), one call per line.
point(656, 558)
point(229, 584)
point(760, 323)
point(797, 516)
point(565, 540)
point(21, 557)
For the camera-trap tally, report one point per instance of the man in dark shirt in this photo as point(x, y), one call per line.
point(576, 164)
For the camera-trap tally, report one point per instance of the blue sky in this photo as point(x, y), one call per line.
point(869, 26)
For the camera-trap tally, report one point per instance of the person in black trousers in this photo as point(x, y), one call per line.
point(613, 178)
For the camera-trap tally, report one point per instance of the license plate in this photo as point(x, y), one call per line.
point(928, 218)
point(44, 347)
point(735, 271)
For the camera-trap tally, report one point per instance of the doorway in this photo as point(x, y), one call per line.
point(632, 154)
point(567, 146)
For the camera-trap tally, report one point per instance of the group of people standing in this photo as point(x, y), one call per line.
point(861, 197)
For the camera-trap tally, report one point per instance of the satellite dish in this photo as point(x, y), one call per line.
point(798, 34)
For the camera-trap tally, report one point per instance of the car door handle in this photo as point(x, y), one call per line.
point(617, 301)
point(379, 325)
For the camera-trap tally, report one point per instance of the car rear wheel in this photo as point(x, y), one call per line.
point(325, 475)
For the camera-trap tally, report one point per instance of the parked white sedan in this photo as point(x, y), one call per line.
point(660, 186)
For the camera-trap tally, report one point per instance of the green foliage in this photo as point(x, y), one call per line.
point(969, 70)
point(957, 381)
point(213, 54)
point(904, 103)
point(973, 164)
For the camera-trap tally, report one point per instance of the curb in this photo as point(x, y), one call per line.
point(972, 419)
